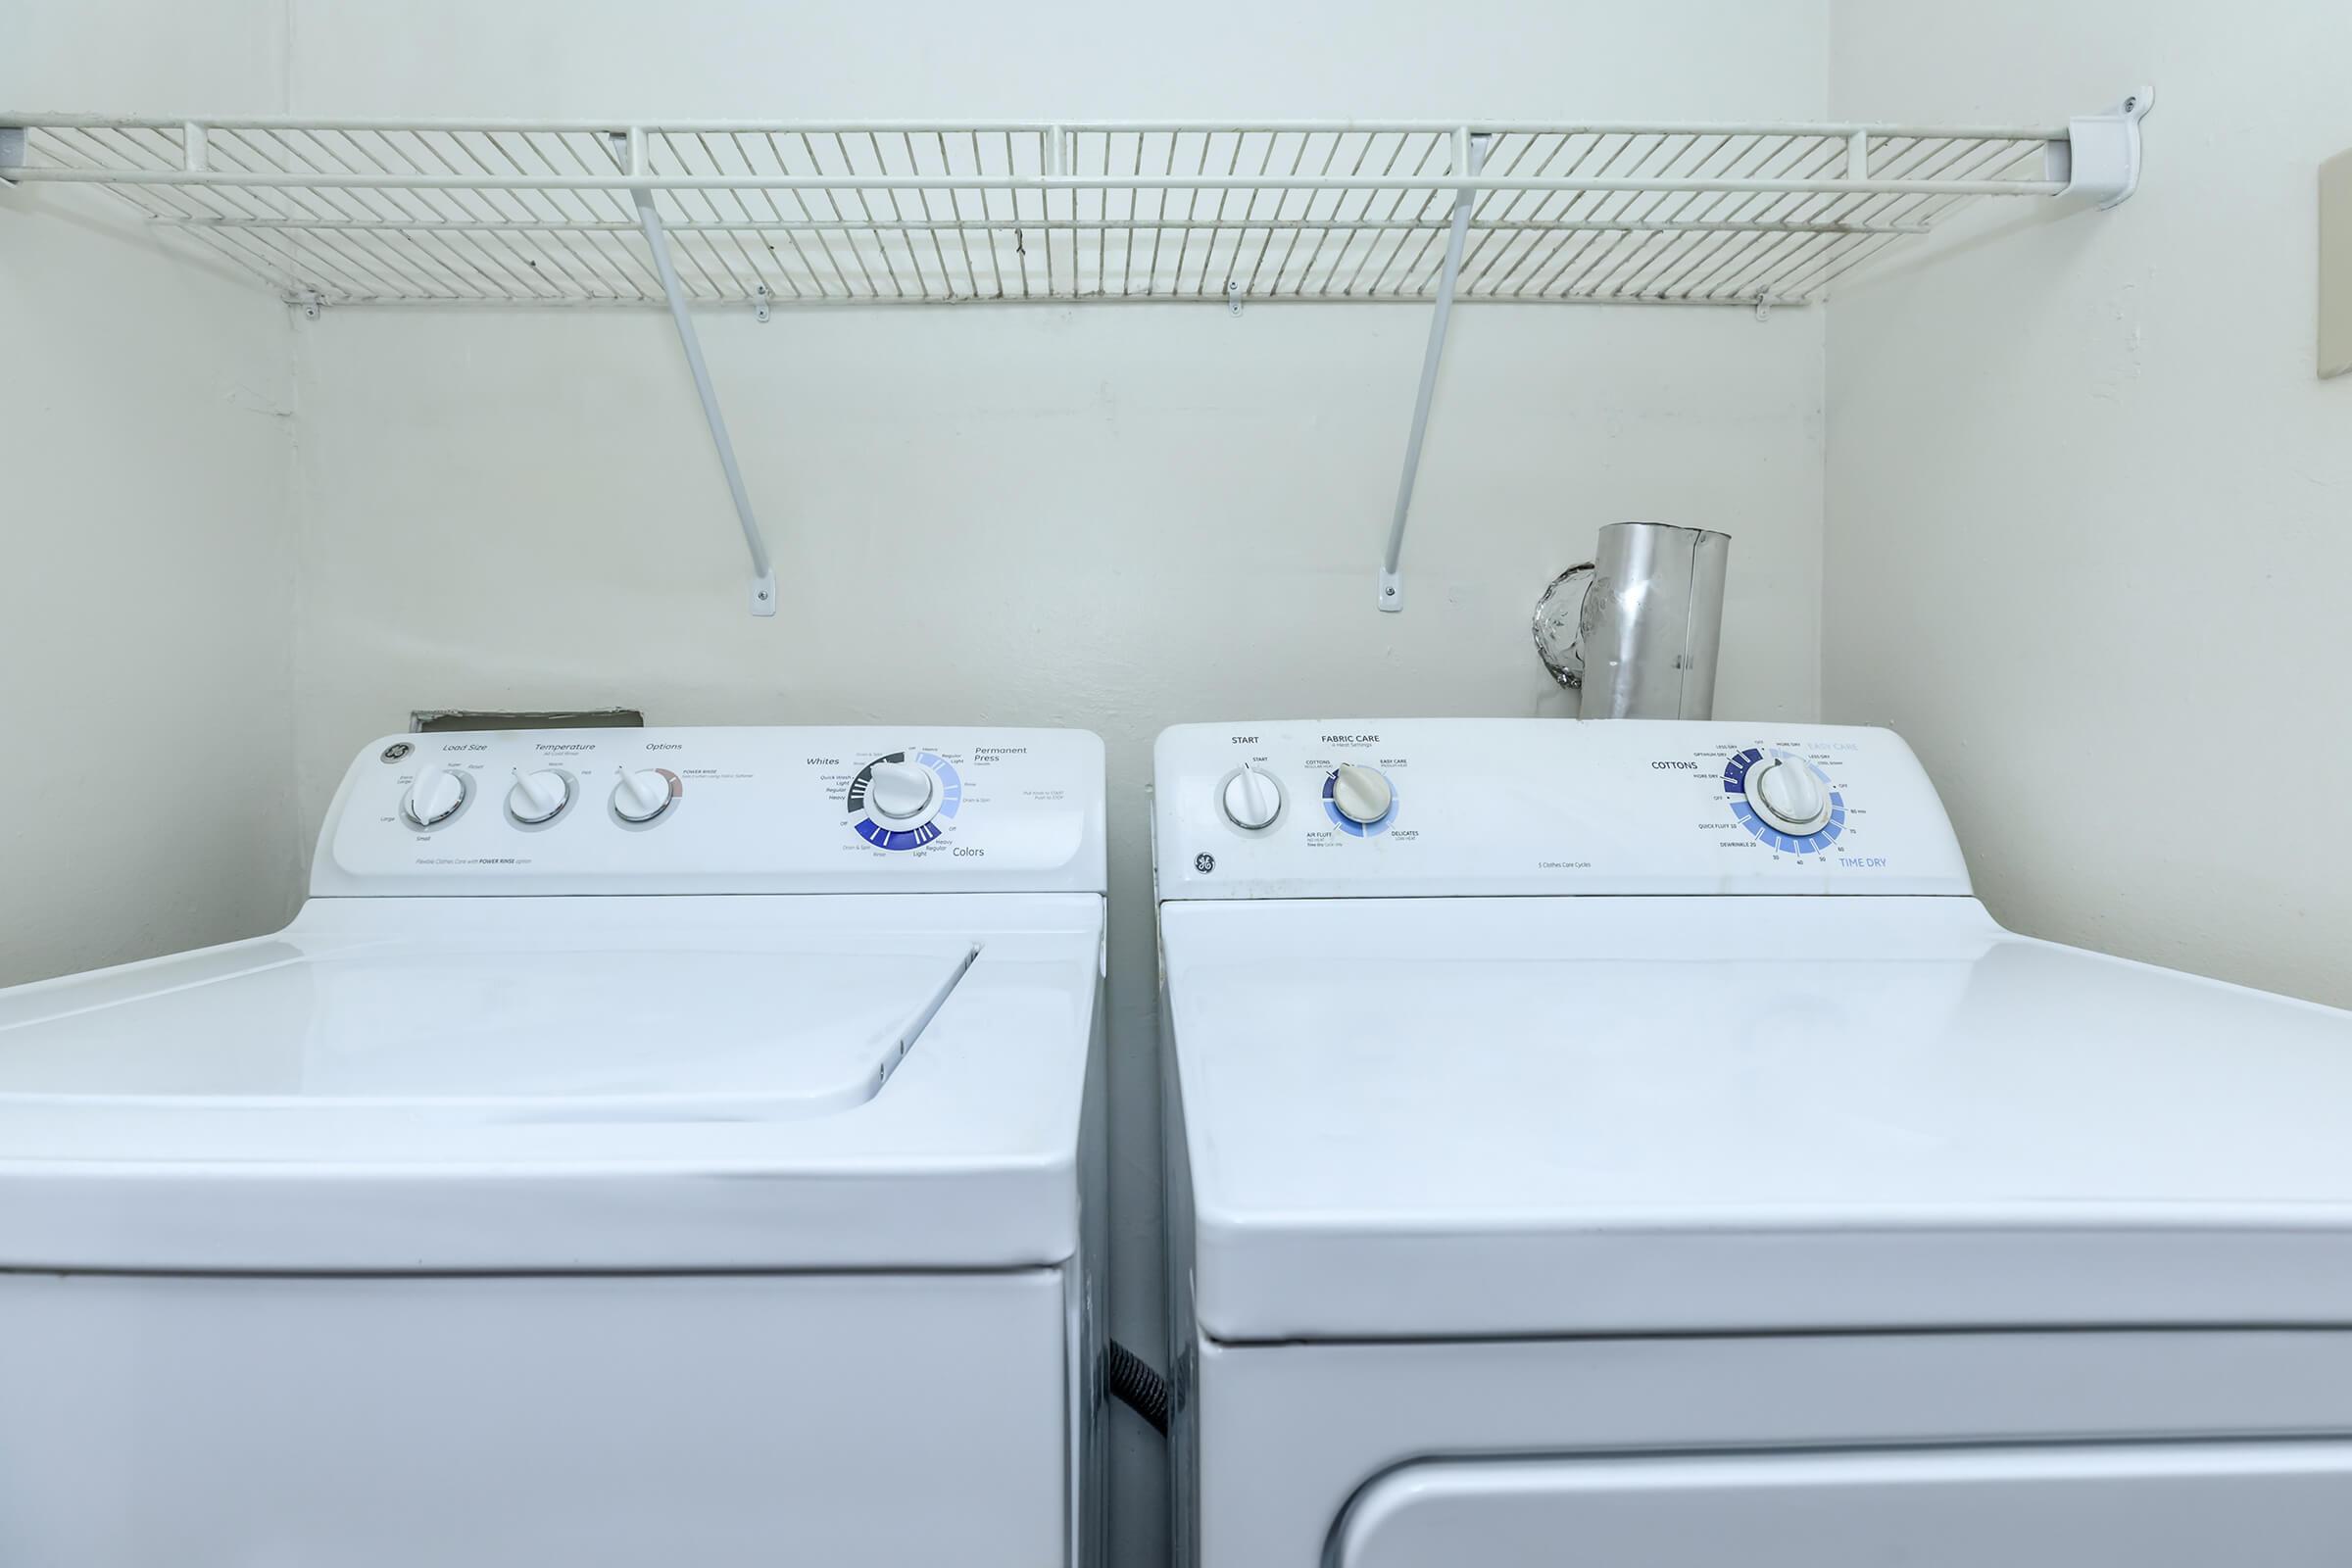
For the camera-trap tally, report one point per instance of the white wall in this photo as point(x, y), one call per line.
point(1108, 516)
point(146, 546)
point(2090, 512)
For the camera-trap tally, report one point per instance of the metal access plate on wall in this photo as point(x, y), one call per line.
point(432, 720)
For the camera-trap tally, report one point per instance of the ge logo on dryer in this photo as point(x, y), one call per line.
point(1204, 862)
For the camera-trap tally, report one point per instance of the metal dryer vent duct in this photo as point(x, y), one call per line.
point(1639, 629)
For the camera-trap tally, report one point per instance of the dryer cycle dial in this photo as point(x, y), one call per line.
point(1789, 795)
point(1361, 800)
point(1784, 800)
point(905, 801)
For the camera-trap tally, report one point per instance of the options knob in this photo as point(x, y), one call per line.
point(1361, 795)
point(1788, 796)
point(643, 794)
point(1251, 798)
point(437, 793)
point(539, 796)
point(900, 792)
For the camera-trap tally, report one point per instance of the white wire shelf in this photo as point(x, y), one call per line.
point(515, 213)
point(681, 213)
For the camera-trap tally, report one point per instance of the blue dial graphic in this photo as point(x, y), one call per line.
point(1734, 785)
point(1348, 824)
point(948, 795)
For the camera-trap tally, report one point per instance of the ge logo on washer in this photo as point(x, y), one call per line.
point(1204, 862)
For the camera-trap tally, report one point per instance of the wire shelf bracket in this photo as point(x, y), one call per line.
point(1470, 153)
point(629, 148)
point(774, 214)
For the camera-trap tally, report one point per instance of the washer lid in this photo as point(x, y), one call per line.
point(1436, 1118)
point(596, 1023)
point(476, 1083)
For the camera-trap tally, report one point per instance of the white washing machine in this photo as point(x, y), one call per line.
point(668, 1146)
point(1630, 1143)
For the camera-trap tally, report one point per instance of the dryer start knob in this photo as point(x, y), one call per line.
point(1251, 798)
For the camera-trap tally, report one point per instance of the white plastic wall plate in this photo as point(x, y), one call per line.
point(2335, 265)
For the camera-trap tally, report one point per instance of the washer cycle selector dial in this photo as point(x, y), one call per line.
point(905, 800)
point(437, 795)
point(643, 794)
point(1250, 798)
point(900, 792)
point(539, 796)
point(1789, 796)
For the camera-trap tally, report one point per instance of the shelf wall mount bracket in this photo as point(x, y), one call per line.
point(1470, 156)
point(2100, 157)
point(629, 148)
point(12, 152)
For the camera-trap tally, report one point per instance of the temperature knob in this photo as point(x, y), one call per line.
point(539, 796)
point(1788, 796)
point(900, 792)
point(1361, 795)
point(643, 794)
point(437, 795)
point(1251, 798)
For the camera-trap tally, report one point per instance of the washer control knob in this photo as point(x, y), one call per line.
point(437, 795)
point(643, 794)
point(538, 795)
point(1362, 795)
point(1251, 798)
point(1788, 796)
point(900, 792)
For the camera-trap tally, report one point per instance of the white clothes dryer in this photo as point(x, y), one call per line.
point(1632, 1143)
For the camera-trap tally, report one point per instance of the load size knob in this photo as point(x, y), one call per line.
point(1788, 796)
point(437, 795)
point(1361, 795)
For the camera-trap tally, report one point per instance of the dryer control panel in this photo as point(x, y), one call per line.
point(1421, 807)
point(718, 810)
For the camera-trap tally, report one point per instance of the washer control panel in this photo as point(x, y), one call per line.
point(1422, 807)
point(685, 810)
